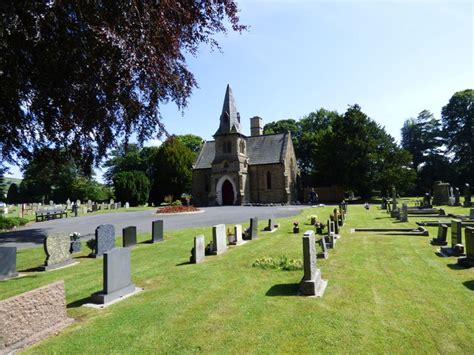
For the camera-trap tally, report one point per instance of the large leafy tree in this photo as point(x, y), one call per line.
point(132, 187)
point(458, 127)
point(13, 194)
point(171, 170)
point(127, 158)
point(191, 141)
point(83, 75)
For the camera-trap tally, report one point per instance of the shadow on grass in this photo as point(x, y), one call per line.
point(184, 263)
point(283, 290)
point(32, 269)
point(441, 255)
point(456, 267)
point(469, 284)
point(383, 217)
point(78, 303)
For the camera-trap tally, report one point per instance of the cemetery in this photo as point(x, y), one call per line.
point(236, 177)
point(366, 283)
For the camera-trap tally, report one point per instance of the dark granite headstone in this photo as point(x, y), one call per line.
point(117, 276)
point(253, 228)
point(404, 213)
point(129, 236)
point(270, 225)
point(441, 237)
point(471, 214)
point(311, 283)
point(467, 195)
point(7, 263)
point(157, 231)
point(468, 260)
point(456, 239)
point(104, 239)
point(58, 254)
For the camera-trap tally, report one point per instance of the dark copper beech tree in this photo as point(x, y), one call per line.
point(84, 75)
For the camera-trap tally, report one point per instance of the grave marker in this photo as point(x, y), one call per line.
point(57, 249)
point(238, 234)
point(129, 236)
point(198, 252)
point(468, 260)
point(404, 213)
point(253, 228)
point(219, 239)
point(8, 263)
point(157, 231)
point(441, 237)
point(311, 283)
point(324, 253)
point(456, 238)
point(104, 239)
point(117, 276)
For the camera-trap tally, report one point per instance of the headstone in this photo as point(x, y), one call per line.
point(7, 263)
point(457, 197)
point(441, 193)
point(95, 207)
point(311, 284)
point(157, 231)
point(117, 276)
point(111, 201)
point(238, 234)
point(394, 199)
point(68, 203)
point(270, 225)
point(51, 203)
point(104, 239)
point(253, 228)
point(129, 236)
point(324, 251)
point(335, 227)
point(441, 237)
point(119, 205)
point(57, 249)
point(404, 213)
point(127, 205)
point(471, 214)
point(427, 200)
point(219, 239)
point(32, 316)
point(78, 203)
point(468, 260)
point(467, 195)
point(199, 250)
point(456, 240)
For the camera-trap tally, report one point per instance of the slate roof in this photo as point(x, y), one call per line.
point(266, 149)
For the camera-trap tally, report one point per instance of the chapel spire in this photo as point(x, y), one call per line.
point(230, 118)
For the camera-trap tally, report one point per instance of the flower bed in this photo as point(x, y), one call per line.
point(177, 209)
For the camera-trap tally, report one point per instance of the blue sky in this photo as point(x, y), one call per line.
point(393, 58)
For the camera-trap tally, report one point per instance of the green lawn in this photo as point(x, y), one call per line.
point(385, 294)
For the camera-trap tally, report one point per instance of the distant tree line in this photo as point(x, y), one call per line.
point(135, 175)
point(353, 151)
point(442, 149)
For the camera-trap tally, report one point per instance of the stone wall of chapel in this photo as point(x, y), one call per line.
point(259, 191)
point(201, 186)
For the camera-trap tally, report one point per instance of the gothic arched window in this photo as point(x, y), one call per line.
point(269, 180)
point(242, 147)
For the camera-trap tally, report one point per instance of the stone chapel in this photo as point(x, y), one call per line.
point(235, 169)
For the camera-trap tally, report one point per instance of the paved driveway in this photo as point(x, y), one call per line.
point(31, 236)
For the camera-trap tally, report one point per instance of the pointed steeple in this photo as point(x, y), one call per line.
point(230, 118)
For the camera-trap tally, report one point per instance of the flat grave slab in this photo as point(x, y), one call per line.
point(393, 231)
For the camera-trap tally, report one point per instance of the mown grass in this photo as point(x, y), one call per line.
point(385, 294)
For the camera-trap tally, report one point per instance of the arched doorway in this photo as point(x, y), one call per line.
point(227, 193)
